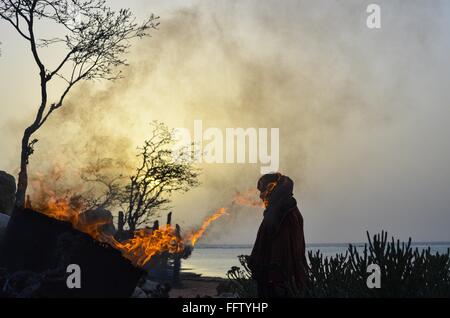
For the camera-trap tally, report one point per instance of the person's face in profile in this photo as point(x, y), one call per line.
point(265, 191)
point(265, 185)
point(262, 191)
point(261, 195)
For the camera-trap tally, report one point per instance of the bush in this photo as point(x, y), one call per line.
point(241, 282)
point(405, 272)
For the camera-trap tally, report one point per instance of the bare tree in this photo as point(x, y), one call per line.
point(161, 172)
point(95, 38)
point(106, 185)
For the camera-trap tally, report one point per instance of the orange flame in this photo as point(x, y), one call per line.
point(198, 234)
point(144, 244)
point(139, 249)
point(248, 198)
point(147, 243)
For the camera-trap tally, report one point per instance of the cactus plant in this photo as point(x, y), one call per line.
point(405, 272)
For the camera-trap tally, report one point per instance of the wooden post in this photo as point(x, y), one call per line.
point(158, 260)
point(169, 218)
point(165, 256)
point(176, 261)
point(121, 222)
point(155, 225)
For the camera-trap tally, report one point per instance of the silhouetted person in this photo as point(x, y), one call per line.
point(278, 256)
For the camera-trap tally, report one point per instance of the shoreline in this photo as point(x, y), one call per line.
point(193, 285)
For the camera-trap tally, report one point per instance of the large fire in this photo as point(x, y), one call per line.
point(144, 244)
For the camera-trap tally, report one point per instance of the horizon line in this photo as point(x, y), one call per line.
point(325, 243)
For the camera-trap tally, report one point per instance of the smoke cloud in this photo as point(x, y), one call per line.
point(351, 104)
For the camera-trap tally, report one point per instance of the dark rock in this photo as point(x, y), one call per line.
point(149, 286)
point(7, 193)
point(139, 293)
point(28, 284)
point(156, 290)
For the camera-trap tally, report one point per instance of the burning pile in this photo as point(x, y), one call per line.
point(139, 249)
point(144, 243)
point(65, 232)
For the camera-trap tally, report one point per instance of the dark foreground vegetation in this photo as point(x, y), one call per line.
point(405, 272)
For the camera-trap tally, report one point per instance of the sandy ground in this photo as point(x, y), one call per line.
point(194, 285)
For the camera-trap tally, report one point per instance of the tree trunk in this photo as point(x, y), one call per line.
point(22, 182)
point(121, 222)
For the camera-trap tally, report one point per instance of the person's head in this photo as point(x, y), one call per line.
point(266, 184)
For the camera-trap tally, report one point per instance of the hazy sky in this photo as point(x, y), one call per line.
point(363, 114)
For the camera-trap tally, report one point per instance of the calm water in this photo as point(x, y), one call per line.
point(216, 260)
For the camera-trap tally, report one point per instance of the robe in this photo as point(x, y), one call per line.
point(278, 257)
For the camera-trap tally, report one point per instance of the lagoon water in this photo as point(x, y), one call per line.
point(216, 260)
